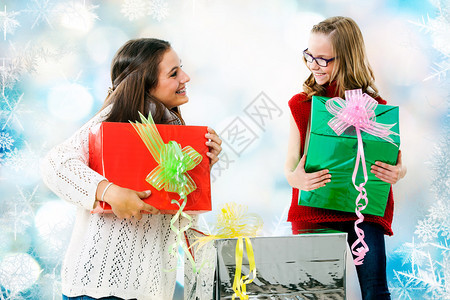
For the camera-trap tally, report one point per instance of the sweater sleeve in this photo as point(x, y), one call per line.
point(65, 169)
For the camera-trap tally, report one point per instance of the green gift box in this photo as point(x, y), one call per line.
point(326, 150)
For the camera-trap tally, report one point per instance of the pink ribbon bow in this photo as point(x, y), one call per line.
point(358, 110)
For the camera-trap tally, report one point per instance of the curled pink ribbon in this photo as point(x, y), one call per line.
point(358, 110)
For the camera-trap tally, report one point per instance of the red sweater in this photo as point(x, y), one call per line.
point(301, 111)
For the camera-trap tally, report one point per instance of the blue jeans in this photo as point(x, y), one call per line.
point(372, 273)
point(84, 297)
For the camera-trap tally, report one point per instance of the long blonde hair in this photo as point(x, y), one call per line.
point(351, 67)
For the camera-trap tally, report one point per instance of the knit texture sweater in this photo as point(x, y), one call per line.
point(301, 110)
point(108, 256)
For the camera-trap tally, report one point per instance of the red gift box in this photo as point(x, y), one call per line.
point(117, 152)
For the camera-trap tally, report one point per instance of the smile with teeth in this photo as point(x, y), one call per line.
point(182, 91)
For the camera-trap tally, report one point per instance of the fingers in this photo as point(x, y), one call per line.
point(214, 147)
point(384, 165)
point(212, 135)
point(213, 158)
point(129, 204)
point(214, 143)
point(386, 177)
point(150, 209)
point(309, 181)
point(320, 176)
point(315, 186)
point(145, 206)
point(144, 194)
point(386, 172)
point(317, 180)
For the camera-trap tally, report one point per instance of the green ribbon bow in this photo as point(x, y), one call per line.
point(173, 162)
point(170, 174)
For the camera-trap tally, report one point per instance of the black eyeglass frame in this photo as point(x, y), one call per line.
point(327, 61)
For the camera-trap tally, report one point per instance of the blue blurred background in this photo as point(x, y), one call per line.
point(244, 59)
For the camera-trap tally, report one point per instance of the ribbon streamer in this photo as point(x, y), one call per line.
point(358, 110)
point(170, 174)
point(235, 222)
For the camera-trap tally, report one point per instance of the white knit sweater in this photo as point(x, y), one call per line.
point(106, 255)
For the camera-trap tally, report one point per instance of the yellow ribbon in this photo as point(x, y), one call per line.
point(170, 174)
point(235, 222)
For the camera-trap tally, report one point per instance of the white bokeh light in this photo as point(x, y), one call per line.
point(77, 15)
point(54, 222)
point(103, 42)
point(69, 101)
point(297, 29)
point(18, 272)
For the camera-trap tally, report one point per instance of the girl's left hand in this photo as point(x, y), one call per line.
point(389, 173)
point(213, 143)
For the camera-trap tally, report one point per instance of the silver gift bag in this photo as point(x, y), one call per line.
point(306, 266)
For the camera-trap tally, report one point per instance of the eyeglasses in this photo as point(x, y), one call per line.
point(323, 62)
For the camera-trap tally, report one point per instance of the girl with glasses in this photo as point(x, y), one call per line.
point(337, 60)
point(124, 255)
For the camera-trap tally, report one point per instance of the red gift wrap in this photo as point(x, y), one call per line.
point(117, 152)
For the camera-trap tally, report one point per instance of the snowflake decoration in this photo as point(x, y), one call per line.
point(16, 218)
point(280, 226)
point(405, 289)
point(444, 228)
point(412, 253)
point(439, 28)
point(41, 9)
point(25, 58)
point(6, 141)
point(16, 160)
point(158, 9)
point(8, 23)
point(427, 229)
point(56, 54)
point(133, 9)
point(23, 163)
point(9, 74)
point(136, 9)
point(13, 111)
point(26, 200)
point(440, 213)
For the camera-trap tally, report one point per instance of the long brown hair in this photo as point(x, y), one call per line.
point(134, 73)
point(351, 67)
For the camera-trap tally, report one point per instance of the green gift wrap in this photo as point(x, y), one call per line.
point(326, 150)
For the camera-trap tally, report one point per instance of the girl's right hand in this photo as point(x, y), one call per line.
point(126, 203)
point(308, 181)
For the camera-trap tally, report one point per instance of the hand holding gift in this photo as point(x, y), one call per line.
point(308, 181)
point(389, 173)
point(125, 203)
point(213, 143)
